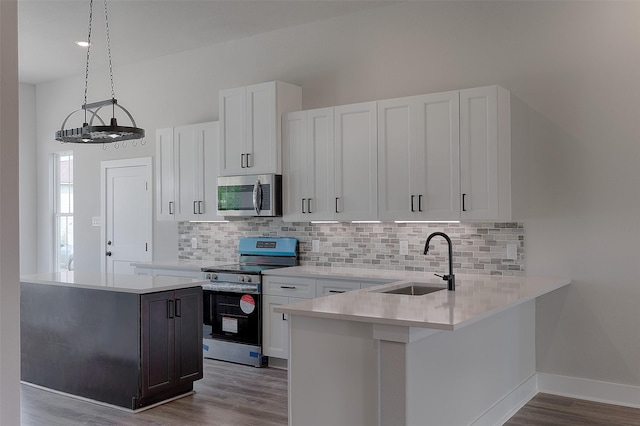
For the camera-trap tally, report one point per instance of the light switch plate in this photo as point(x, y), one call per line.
point(512, 251)
point(315, 246)
point(194, 242)
point(404, 247)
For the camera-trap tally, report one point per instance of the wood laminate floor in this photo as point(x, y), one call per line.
point(237, 395)
point(230, 394)
point(552, 410)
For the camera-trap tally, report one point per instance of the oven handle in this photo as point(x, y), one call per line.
point(234, 315)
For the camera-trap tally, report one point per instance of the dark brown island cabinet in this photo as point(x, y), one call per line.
point(129, 341)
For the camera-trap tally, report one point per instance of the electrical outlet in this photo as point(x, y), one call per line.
point(404, 247)
point(194, 242)
point(512, 251)
point(315, 246)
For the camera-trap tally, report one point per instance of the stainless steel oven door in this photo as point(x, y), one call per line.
point(232, 316)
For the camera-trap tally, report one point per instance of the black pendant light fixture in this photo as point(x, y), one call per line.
point(95, 130)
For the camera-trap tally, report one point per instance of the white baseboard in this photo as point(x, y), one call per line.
point(502, 411)
point(590, 390)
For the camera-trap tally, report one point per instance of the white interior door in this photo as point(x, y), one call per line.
point(127, 214)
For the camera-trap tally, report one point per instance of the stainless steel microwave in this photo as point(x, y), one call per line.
point(251, 195)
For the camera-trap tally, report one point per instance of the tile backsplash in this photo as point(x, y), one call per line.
point(478, 248)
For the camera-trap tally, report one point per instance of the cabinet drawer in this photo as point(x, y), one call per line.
point(329, 287)
point(290, 287)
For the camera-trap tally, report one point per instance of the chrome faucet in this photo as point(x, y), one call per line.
point(450, 279)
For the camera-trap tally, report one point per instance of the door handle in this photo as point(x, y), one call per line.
point(283, 318)
point(170, 207)
point(194, 207)
point(420, 202)
point(200, 209)
point(464, 208)
point(248, 154)
point(303, 205)
point(178, 308)
point(170, 308)
point(108, 253)
point(242, 160)
point(309, 205)
point(337, 198)
point(412, 197)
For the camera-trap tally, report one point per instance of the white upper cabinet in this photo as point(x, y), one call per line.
point(186, 168)
point(487, 118)
point(308, 165)
point(448, 156)
point(165, 171)
point(250, 129)
point(356, 162)
point(418, 151)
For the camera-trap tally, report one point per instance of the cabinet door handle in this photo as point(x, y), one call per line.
point(200, 209)
point(412, 197)
point(242, 161)
point(171, 207)
point(337, 198)
point(288, 287)
point(195, 211)
point(420, 202)
point(309, 205)
point(303, 205)
point(336, 291)
point(170, 309)
point(464, 208)
point(178, 308)
point(248, 154)
point(283, 317)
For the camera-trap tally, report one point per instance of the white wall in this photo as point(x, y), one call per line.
point(28, 175)
point(575, 62)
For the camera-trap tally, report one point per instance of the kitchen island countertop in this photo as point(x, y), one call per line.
point(139, 284)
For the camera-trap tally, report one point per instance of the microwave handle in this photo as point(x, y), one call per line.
point(257, 197)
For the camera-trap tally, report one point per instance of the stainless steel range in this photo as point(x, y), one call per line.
point(233, 300)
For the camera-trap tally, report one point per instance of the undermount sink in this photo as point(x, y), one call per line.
point(414, 289)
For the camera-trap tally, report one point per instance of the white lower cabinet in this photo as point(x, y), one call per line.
point(278, 291)
point(275, 326)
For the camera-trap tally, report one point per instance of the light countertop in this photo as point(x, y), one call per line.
point(476, 297)
point(186, 265)
point(139, 284)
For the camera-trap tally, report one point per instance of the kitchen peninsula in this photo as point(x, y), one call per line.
point(444, 358)
point(126, 341)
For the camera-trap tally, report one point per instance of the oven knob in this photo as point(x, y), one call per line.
point(241, 278)
point(214, 277)
point(207, 276)
point(247, 279)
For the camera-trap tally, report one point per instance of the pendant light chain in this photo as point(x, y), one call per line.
point(106, 21)
point(103, 131)
point(86, 72)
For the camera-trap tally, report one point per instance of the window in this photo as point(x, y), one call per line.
point(63, 183)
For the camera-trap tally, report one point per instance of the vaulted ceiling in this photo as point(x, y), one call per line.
point(144, 29)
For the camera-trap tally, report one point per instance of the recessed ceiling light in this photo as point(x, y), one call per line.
point(82, 43)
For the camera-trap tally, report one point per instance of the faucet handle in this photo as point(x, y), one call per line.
point(444, 277)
